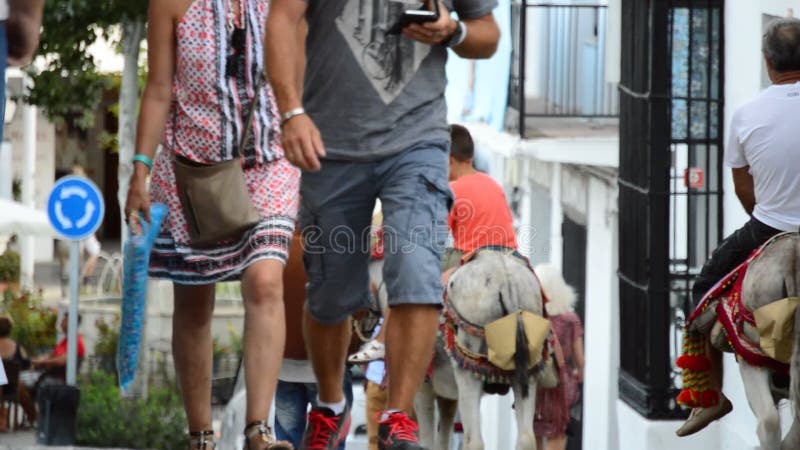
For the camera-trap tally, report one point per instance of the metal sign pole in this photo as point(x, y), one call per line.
point(72, 325)
point(75, 208)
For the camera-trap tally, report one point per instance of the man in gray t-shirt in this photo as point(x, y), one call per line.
point(371, 125)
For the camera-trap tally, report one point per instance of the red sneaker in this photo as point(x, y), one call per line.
point(325, 430)
point(398, 432)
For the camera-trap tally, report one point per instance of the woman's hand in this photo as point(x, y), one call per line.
point(137, 206)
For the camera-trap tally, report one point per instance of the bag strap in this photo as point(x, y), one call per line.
point(247, 124)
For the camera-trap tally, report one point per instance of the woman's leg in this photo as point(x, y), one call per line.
point(191, 350)
point(264, 334)
point(557, 443)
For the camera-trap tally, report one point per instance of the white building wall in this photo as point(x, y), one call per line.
point(602, 318)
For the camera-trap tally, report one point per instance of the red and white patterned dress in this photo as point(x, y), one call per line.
point(205, 125)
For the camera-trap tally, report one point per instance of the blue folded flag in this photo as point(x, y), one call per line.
point(136, 260)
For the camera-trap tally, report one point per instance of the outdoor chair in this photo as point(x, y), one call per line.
point(9, 396)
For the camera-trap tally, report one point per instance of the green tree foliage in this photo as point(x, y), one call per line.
point(68, 85)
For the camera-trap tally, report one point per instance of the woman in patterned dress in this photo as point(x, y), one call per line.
point(205, 58)
point(553, 405)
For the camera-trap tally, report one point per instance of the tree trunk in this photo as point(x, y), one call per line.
point(132, 35)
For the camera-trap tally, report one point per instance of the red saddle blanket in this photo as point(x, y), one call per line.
point(726, 299)
point(723, 304)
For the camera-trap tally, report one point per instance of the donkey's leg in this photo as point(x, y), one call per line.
point(447, 417)
point(756, 386)
point(792, 440)
point(524, 409)
point(469, 401)
point(423, 406)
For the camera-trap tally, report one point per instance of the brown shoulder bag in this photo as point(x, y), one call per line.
point(215, 198)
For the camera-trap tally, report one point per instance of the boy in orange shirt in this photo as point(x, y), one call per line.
point(480, 216)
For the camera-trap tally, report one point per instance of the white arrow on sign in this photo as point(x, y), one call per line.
point(62, 219)
point(69, 191)
point(87, 214)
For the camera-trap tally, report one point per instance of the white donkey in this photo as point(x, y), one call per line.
point(488, 288)
point(771, 276)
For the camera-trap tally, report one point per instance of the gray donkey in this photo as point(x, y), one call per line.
point(491, 286)
point(771, 276)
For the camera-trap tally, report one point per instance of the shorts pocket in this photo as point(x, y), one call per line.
point(313, 252)
point(427, 221)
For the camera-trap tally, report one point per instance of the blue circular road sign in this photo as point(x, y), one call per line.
point(75, 207)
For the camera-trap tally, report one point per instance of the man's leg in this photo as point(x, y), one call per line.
point(410, 337)
point(191, 350)
point(264, 335)
point(731, 252)
point(327, 348)
point(335, 220)
point(416, 198)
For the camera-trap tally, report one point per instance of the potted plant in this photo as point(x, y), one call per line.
point(9, 271)
point(34, 324)
point(105, 350)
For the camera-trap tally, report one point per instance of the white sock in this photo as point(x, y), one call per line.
point(388, 413)
point(337, 407)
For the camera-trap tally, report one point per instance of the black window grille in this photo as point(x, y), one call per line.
point(671, 119)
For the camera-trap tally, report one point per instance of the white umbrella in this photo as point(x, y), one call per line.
point(16, 218)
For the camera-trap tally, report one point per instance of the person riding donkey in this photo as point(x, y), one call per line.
point(480, 217)
point(764, 160)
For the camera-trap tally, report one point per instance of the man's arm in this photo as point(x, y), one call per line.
point(285, 57)
point(481, 40)
point(22, 30)
point(743, 182)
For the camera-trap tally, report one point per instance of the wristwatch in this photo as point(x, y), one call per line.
point(458, 36)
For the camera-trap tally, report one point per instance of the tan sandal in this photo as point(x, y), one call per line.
point(261, 437)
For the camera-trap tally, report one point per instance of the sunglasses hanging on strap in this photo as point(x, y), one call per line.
point(234, 64)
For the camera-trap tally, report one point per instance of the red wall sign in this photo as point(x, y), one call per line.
point(693, 178)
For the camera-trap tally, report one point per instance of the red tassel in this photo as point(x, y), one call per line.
point(695, 363)
point(686, 398)
point(698, 399)
point(709, 398)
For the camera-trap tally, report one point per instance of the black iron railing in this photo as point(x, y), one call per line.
point(670, 181)
point(558, 62)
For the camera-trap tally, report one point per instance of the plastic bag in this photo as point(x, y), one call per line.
point(136, 260)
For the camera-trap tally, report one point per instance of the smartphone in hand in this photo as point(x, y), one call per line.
point(410, 16)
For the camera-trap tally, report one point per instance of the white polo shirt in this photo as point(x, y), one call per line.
point(3, 9)
point(765, 135)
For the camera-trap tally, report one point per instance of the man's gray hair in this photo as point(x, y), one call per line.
point(781, 44)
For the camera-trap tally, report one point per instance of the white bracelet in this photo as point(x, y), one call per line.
point(291, 114)
point(463, 36)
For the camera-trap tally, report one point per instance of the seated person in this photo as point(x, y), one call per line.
point(11, 351)
point(480, 216)
point(54, 364)
point(763, 157)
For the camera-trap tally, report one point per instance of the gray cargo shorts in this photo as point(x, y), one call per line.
point(335, 217)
